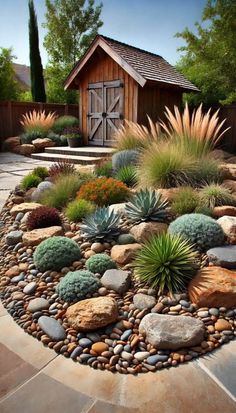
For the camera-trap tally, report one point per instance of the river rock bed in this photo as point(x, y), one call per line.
point(31, 299)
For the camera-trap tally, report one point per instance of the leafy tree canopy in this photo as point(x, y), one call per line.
point(71, 26)
point(9, 88)
point(210, 54)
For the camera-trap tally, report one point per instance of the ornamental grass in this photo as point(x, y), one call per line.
point(38, 120)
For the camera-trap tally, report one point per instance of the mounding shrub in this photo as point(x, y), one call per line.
point(104, 191)
point(100, 263)
point(202, 231)
point(104, 168)
point(78, 209)
point(55, 253)
point(40, 171)
point(28, 137)
point(101, 225)
point(185, 201)
point(64, 122)
point(166, 262)
point(77, 285)
point(147, 205)
point(204, 210)
point(214, 195)
point(61, 168)
point(125, 239)
point(30, 181)
point(207, 172)
point(166, 166)
point(63, 191)
point(43, 217)
point(57, 139)
point(124, 158)
point(127, 175)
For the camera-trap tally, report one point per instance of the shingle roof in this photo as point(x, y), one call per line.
point(149, 65)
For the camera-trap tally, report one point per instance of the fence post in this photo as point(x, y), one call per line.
point(66, 109)
point(10, 118)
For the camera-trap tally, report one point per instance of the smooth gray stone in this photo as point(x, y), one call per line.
point(30, 288)
point(17, 278)
point(85, 342)
point(142, 301)
point(155, 358)
point(224, 256)
point(52, 328)
point(14, 237)
point(116, 280)
point(172, 332)
point(38, 304)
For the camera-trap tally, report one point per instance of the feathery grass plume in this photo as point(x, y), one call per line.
point(214, 195)
point(135, 136)
point(38, 120)
point(166, 262)
point(166, 166)
point(198, 132)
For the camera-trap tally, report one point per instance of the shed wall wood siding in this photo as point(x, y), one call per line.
point(102, 68)
point(152, 101)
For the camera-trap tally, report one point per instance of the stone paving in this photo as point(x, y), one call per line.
point(33, 379)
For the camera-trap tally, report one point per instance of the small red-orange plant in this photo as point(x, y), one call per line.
point(104, 191)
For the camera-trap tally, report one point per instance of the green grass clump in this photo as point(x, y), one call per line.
point(104, 169)
point(64, 122)
point(214, 195)
point(41, 171)
point(202, 231)
point(63, 191)
point(185, 201)
point(78, 209)
point(207, 171)
point(77, 285)
point(166, 262)
point(30, 181)
point(127, 175)
point(56, 253)
point(100, 263)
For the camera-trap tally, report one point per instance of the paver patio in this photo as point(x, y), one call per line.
point(34, 379)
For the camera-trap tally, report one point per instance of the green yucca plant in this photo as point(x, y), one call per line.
point(166, 262)
point(127, 175)
point(215, 195)
point(147, 205)
point(102, 224)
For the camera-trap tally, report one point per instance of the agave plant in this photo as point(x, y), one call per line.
point(147, 205)
point(38, 120)
point(102, 224)
point(166, 262)
point(198, 132)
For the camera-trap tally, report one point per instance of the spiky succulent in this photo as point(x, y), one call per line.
point(128, 175)
point(102, 224)
point(147, 205)
point(166, 262)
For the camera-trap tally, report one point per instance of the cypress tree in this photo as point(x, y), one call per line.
point(36, 68)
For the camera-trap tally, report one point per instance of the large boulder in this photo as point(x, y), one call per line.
point(26, 149)
point(221, 211)
point(213, 287)
point(118, 208)
point(92, 313)
point(170, 332)
point(24, 207)
point(228, 224)
point(40, 144)
point(10, 144)
point(224, 256)
point(124, 254)
point(228, 170)
point(230, 184)
point(146, 230)
point(116, 280)
point(36, 236)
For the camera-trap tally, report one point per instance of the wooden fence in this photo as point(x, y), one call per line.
point(228, 112)
point(11, 113)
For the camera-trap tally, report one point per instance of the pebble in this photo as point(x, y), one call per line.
point(184, 303)
point(222, 325)
point(18, 278)
point(214, 311)
point(30, 288)
point(52, 328)
point(156, 358)
point(85, 342)
point(202, 314)
point(127, 356)
point(38, 304)
point(99, 347)
point(141, 355)
point(118, 349)
point(143, 301)
point(126, 335)
point(76, 352)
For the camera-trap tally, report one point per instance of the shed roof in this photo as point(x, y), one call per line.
point(142, 65)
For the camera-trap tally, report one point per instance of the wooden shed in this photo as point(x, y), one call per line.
point(116, 82)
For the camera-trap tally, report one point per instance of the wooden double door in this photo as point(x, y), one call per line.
point(105, 111)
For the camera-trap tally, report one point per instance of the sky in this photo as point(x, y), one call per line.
point(147, 24)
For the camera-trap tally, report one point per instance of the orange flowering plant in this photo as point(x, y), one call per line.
point(104, 191)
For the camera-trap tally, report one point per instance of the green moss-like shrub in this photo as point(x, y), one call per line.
point(204, 210)
point(30, 181)
point(78, 209)
point(214, 195)
point(100, 263)
point(185, 201)
point(43, 217)
point(55, 253)
point(104, 168)
point(166, 262)
point(41, 172)
point(77, 285)
point(199, 229)
point(63, 122)
point(124, 239)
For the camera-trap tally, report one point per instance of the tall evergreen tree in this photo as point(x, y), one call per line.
point(36, 68)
